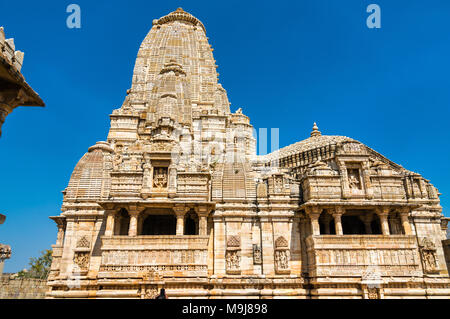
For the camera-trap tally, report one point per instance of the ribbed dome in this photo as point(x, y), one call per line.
point(178, 40)
point(90, 179)
point(306, 145)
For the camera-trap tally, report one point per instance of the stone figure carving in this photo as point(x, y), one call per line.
point(353, 179)
point(257, 254)
point(117, 161)
point(160, 177)
point(428, 253)
point(150, 292)
point(281, 259)
point(261, 190)
point(232, 256)
point(281, 255)
point(233, 260)
point(372, 293)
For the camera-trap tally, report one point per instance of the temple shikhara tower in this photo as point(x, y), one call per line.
point(177, 198)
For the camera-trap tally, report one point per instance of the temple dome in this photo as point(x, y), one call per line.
point(90, 179)
point(177, 42)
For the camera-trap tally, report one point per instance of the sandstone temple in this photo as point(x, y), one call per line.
point(177, 198)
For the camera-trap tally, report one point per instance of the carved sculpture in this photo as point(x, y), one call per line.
point(428, 254)
point(160, 177)
point(257, 254)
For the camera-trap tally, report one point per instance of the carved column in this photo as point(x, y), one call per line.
point(404, 213)
point(314, 213)
point(110, 222)
point(180, 211)
point(327, 220)
point(383, 213)
point(367, 220)
point(337, 214)
point(134, 215)
point(202, 212)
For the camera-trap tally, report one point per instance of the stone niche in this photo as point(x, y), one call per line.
point(282, 256)
point(233, 255)
point(81, 256)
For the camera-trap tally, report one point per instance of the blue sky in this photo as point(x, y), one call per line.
point(287, 64)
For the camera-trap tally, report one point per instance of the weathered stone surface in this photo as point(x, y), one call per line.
point(177, 198)
point(22, 288)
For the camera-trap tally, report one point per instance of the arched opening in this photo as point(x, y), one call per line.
point(191, 223)
point(326, 223)
point(123, 222)
point(159, 224)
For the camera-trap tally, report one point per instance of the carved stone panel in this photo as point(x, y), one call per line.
point(83, 242)
point(81, 262)
point(428, 254)
point(282, 255)
point(160, 178)
point(257, 254)
point(233, 255)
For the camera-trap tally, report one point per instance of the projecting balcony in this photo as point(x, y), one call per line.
point(355, 255)
point(165, 255)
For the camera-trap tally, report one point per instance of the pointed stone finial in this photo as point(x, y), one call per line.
point(315, 131)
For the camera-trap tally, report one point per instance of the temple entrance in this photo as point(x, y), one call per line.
point(159, 225)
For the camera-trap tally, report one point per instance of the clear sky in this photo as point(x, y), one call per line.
point(286, 63)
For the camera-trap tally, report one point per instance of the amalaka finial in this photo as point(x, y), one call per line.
point(315, 131)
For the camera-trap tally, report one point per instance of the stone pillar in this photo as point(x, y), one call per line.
point(383, 213)
point(180, 211)
point(202, 212)
point(219, 246)
point(404, 213)
point(327, 220)
point(367, 220)
point(267, 247)
point(337, 214)
point(314, 213)
point(110, 222)
point(132, 230)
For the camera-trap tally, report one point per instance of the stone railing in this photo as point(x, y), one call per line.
point(167, 256)
point(355, 255)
